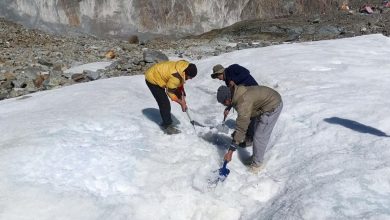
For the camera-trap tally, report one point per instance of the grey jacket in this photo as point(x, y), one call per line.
point(249, 102)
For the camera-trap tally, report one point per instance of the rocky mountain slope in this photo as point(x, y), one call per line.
point(146, 17)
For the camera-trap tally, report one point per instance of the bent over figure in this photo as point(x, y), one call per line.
point(259, 102)
point(166, 79)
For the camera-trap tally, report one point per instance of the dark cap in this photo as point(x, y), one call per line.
point(223, 93)
point(217, 69)
point(191, 70)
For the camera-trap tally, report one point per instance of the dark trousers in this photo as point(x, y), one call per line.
point(163, 103)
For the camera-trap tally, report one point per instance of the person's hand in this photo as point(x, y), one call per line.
point(228, 156)
point(225, 114)
point(231, 83)
point(183, 105)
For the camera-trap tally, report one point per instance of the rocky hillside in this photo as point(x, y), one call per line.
point(32, 60)
point(306, 28)
point(146, 17)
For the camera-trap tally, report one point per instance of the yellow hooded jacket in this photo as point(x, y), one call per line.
point(169, 75)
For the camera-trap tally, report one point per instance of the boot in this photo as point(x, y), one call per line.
point(255, 168)
point(171, 130)
point(252, 166)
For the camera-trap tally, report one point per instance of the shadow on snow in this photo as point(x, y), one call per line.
point(153, 115)
point(356, 126)
point(222, 143)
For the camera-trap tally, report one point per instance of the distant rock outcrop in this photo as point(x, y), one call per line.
point(146, 17)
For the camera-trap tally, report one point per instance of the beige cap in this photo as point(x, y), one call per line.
point(217, 69)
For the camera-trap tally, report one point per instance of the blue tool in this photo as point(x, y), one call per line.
point(218, 175)
point(223, 171)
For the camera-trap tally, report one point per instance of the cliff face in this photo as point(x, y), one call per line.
point(167, 17)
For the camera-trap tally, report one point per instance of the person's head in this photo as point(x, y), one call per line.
point(218, 72)
point(224, 96)
point(191, 71)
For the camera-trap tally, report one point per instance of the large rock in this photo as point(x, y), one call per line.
point(154, 56)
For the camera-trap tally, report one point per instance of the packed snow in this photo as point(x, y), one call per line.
point(88, 67)
point(95, 150)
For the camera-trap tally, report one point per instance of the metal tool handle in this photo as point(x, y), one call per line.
point(188, 114)
point(191, 121)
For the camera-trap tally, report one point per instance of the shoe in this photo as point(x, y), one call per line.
point(171, 130)
point(255, 168)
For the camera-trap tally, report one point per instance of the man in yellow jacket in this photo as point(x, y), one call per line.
point(166, 79)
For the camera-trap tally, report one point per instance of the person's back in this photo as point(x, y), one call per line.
point(161, 73)
point(261, 98)
point(239, 75)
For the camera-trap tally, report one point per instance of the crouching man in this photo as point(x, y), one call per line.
point(167, 79)
point(259, 102)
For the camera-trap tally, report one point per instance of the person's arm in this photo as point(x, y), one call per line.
point(228, 156)
point(182, 98)
point(244, 111)
point(178, 95)
point(181, 90)
point(231, 83)
point(242, 123)
point(226, 112)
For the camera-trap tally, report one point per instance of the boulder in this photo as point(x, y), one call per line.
point(154, 56)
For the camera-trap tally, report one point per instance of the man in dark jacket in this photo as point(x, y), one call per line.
point(233, 75)
point(236, 75)
point(259, 102)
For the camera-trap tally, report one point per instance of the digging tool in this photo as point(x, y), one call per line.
point(219, 175)
point(223, 171)
point(222, 127)
point(191, 121)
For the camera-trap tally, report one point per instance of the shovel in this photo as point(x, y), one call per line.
point(219, 175)
point(223, 171)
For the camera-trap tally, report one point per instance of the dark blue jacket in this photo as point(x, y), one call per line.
point(239, 75)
